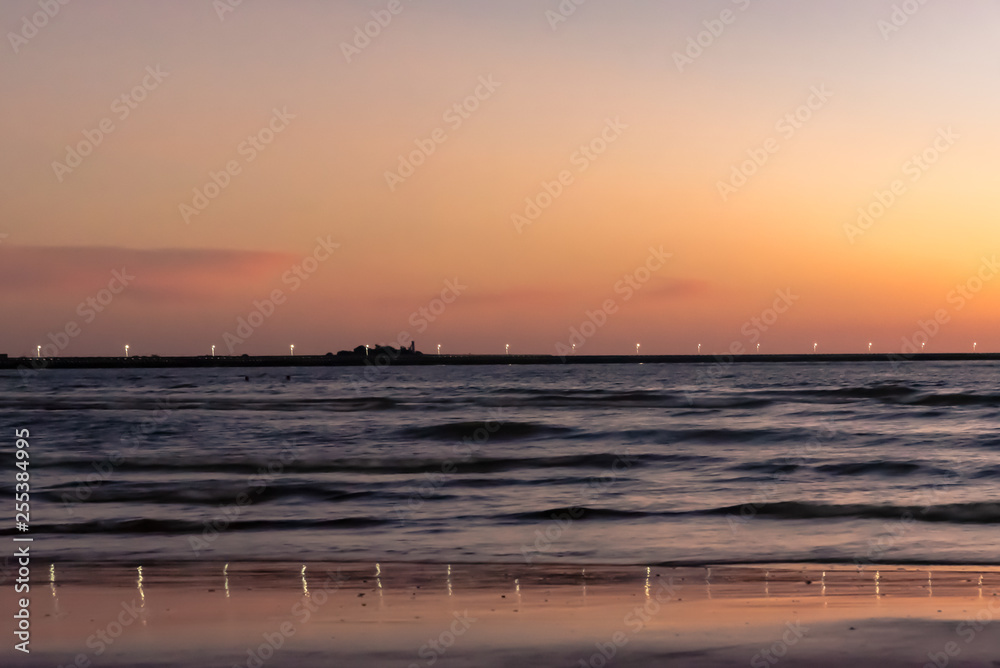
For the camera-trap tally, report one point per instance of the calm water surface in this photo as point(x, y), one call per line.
point(642, 464)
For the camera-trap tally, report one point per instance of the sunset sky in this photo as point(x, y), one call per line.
point(309, 117)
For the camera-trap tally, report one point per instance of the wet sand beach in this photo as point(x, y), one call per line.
point(328, 614)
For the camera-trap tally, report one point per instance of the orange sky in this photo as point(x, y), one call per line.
point(197, 87)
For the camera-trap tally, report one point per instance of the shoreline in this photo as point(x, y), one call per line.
point(393, 614)
point(420, 359)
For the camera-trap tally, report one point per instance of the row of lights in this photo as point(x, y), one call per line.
point(291, 349)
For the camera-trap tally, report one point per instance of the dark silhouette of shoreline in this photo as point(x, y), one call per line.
point(381, 357)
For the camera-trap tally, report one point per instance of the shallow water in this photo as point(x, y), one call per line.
point(666, 464)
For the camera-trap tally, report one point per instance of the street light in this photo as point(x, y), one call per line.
point(38, 351)
point(213, 351)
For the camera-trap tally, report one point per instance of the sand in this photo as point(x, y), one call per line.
point(508, 615)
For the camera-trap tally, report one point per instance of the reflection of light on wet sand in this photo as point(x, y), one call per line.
point(583, 573)
point(980, 585)
point(142, 597)
point(517, 590)
point(647, 581)
point(930, 585)
point(878, 576)
point(305, 585)
point(55, 597)
point(767, 584)
point(708, 585)
point(378, 581)
point(225, 579)
point(449, 580)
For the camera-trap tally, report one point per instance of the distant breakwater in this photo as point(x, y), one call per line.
point(353, 360)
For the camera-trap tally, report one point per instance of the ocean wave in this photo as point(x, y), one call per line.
point(957, 513)
point(136, 402)
point(885, 468)
point(372, 466)
point(502, 431)
point(175, 526)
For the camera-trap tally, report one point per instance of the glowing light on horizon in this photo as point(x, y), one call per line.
point(974, 347)
point(439, 349)
point(126, 350)
point(869, 347)
point(637, 348)
point(815, 347)
point(291, 348)
point(213, 351)
point(507, 349)
point(38, 351)
point(699, 349)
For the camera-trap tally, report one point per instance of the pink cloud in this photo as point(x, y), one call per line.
point(159, 275)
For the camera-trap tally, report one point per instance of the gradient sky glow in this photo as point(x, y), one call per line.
point(657, 184)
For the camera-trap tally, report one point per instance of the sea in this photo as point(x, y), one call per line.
point(674, 464)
